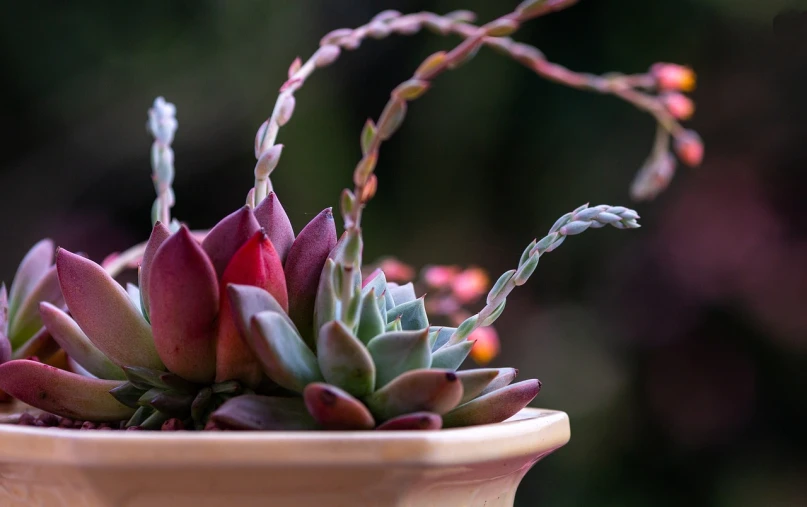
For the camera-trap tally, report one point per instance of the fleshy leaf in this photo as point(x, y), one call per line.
point(263, 413)
point(413, 315)
point(335, 409)
point(26, 320)
point(402, 293)
point(184, 295)
point(285, 357)
point(452, 356)
point(430, 390)
point(5, 344)
point(72, 339)
point(42, 346)
point(303, 268)
point(33, 267)
point(475, 381)
point(247, 301)
point(272, 217)
point(102, 309)
point(371, 322)
point(344, 361)
point(375, 281)
point(505, 376)
point(442, 336)
point(495, 406)
point(61, 392)
point(327, 303)
point(256, 263)
point(227, 236)
point(398, 352)
point(415, 421)
point(135, 297)
point(158, 236)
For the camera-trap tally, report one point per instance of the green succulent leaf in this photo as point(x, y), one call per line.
point(395, 325)
point(327, 305)
point(26, 320)
point(285, 357)
point(475, 381)
point(36, 263)
point(493, 407)
point(145, 378)
point(371, 322)
point(440, 335)
point(451, 357)
point(128, 394)
point(504, 378)
point(431, 390)
point(398, 352)
point(413, 315)
point(264, 413)
point(344, 360)
point(402, 293)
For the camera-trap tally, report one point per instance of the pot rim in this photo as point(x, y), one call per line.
point(532, 431)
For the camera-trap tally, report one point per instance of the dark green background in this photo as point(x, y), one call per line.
point(679, 350)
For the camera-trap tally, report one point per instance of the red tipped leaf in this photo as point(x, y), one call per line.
point(227, 236)
point(272, 217)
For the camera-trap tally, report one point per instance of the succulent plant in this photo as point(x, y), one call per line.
point(247, 326)
point(21, 330)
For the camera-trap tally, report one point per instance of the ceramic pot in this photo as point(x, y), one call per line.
point(466, 467)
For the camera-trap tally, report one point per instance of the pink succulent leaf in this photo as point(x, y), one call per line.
point(159, 234)
point(303, 268)
point(32, 268)
point(75, 343)
point(102, 309)
point(27, 320)
point(184, 300)
point(61, 392)
point(335, 409)
point(415, 421)
point(257, 264)
point(495, 406)
point(429, 390)
point(272, 217)
point(263, 413)
point(227, 236)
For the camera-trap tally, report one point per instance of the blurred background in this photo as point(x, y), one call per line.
point(678, 350)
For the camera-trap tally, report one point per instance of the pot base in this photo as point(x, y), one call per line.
point(478, 466)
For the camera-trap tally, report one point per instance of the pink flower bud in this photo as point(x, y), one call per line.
point(671, 76)
point(689, 148)
point(678, 105)
point(470, 284)
point(397, 271)
point(440, 277)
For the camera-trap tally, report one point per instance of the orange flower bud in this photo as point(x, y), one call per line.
point(678, 105)
point(487, 345)
point(671, 76)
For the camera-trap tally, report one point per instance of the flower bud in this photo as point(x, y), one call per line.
point(268, 161)
point(670, 76)
point(689, 148)
point(679, 105)
point(326, 55)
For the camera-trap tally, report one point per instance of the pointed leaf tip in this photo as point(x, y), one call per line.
point(495, 406)
point(272, 217)
point(227, 236)
point(303, 268)
point(103, 310)
point(158, 236)
point(429, 390)
point(184, 295)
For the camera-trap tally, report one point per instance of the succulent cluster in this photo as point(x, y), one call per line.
point(251, 326)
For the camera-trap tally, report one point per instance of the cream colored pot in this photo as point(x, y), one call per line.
point(479, 466)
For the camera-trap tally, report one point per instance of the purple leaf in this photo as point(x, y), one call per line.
point(227, 236)
point(263, 413)
point(27, 320)
point(335, 409)
point(103, 310)
point(184, 295)
point(158, 236)
point(272, 217)
point(495, 406)
point(32, 268)
point(303, 268)
point(61, 392)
